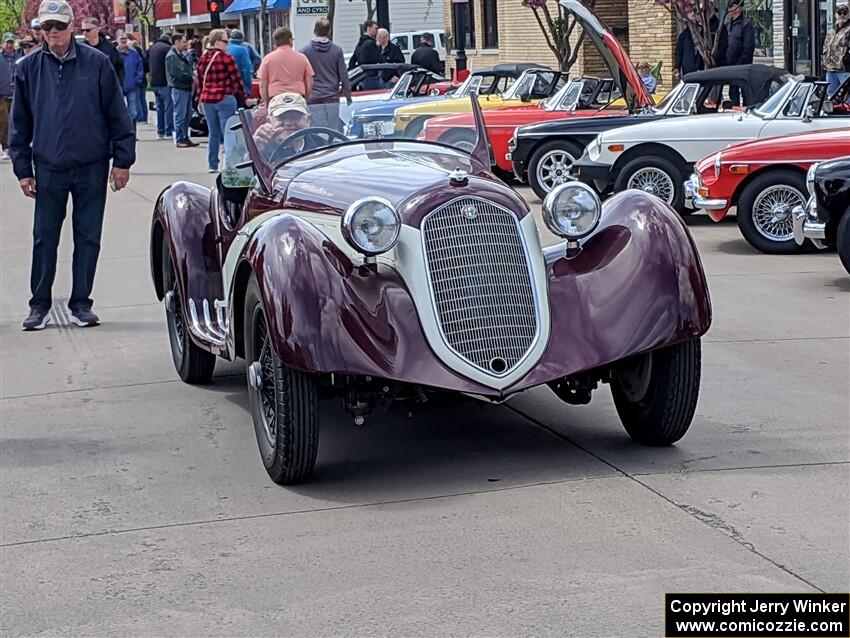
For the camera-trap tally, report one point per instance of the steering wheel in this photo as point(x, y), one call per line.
point(313, 137)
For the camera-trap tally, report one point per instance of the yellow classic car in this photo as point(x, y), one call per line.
point(533, 85)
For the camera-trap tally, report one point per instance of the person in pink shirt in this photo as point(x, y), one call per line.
point(285, 70)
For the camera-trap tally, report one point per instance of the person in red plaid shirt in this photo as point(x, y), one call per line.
point(221, 91)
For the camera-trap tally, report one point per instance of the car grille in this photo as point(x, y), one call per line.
point(482, 283)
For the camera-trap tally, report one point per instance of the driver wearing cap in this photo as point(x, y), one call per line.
point(287, 114)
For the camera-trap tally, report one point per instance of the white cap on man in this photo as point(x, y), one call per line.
point(287, 103)
point(55, 11)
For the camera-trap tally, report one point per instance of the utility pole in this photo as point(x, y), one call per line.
point(459, 8)
point(383, 13)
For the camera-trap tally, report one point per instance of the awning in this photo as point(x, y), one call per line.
point(251, 6)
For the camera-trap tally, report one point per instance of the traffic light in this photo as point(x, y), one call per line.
point(214, 8)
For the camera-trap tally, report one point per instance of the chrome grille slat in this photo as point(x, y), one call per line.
point(482, 284)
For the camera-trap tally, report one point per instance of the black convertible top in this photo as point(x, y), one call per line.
point(758, 77)
point(515, 70)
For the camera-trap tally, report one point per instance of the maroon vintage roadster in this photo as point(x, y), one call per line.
point(376, 270)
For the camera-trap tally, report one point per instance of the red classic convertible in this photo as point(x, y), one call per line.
point(584, 97)
point(765, 179)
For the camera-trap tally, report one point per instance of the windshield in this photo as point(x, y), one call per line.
point(531, 85)
point(662, 106)
point(285, 131)
point(776, 100)
point(567, 98)
point(469, 85)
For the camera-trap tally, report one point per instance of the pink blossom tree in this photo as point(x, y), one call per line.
point(557, 26)
point(100, 9)
point(696, 16)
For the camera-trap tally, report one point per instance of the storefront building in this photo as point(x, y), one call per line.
point(788, 33)
point(187, 16)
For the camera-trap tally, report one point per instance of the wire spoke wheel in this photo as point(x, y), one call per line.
point(653, 181)
point(772, 212)
point(553, 169)
point(266, 390)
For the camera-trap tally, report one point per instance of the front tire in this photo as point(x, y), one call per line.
point(764, 211)
point(656, 393)
point(463, 140)
point(194, 365)
point(842, 240)
point(550, 164)
point(284, 403)
point(657, 176)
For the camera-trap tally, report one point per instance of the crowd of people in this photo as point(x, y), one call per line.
point(733, 42)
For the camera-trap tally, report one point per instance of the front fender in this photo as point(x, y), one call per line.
point(637, 285)
point(327, 314)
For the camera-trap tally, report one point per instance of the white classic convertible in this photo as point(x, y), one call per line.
point(657, 157)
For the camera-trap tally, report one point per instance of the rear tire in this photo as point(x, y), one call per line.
point(550, 164)
point(193, 364)
point(413, 129)
point(764, 211)
point(655, 175)
point(285, 405)
point(656, 393)
point(842, 240)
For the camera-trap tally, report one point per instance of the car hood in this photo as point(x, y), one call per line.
point(614, 55)
point(717, 126)
point(582, 125)
point(330, 180)
point(507, 116)
point(800, 146)
point(448, 106)
point(389, 107)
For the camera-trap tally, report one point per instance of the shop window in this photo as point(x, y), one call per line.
point(491, 24)
point(465, 11)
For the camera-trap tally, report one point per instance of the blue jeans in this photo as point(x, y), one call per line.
point(87, 186)
point(143, 106)
point(217, 114)
point(164, 111)
point(835, 79)
point(182, 101)
point(133, 106)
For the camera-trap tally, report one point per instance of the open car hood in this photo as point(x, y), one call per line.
point(615, 57)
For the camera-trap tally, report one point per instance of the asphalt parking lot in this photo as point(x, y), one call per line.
point(132, 504)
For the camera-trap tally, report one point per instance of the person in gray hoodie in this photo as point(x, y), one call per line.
point(329, 64)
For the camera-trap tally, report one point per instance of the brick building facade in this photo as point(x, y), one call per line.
point(647, 31)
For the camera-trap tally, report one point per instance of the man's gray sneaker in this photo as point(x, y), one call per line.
point(84, 318)
point(36, 320)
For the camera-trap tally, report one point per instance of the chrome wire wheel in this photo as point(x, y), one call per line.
point(176, 316)
point(264, 383)
point(653, 181)
point(772, 212)
point(553, 169)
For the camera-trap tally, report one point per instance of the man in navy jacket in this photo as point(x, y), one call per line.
point(68, 121)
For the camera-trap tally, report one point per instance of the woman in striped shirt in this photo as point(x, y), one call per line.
point(221, 91)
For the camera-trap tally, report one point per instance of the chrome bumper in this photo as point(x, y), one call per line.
point(807, 225)
point(693, 200)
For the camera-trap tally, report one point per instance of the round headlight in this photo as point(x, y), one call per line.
point(371, 226)
point(810, 178)
point(572, 210)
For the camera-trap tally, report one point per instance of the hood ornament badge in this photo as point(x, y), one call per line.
point(458, 177)
point(470, 211)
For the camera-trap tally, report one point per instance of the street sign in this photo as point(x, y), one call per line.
point(311, 7)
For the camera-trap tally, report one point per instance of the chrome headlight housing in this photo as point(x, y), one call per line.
point(810, 178)
point(572, 210)
point(717, 164)
point(512, 143)
point(371, 226)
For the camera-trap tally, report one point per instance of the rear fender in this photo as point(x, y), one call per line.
point(182, 221)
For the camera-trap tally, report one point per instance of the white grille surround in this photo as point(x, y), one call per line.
point(482, 283)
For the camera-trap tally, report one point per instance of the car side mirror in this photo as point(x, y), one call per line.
point(525, 97)
point(727, 105)
point(828, 107)
point(434, 92)
point(809, 115)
